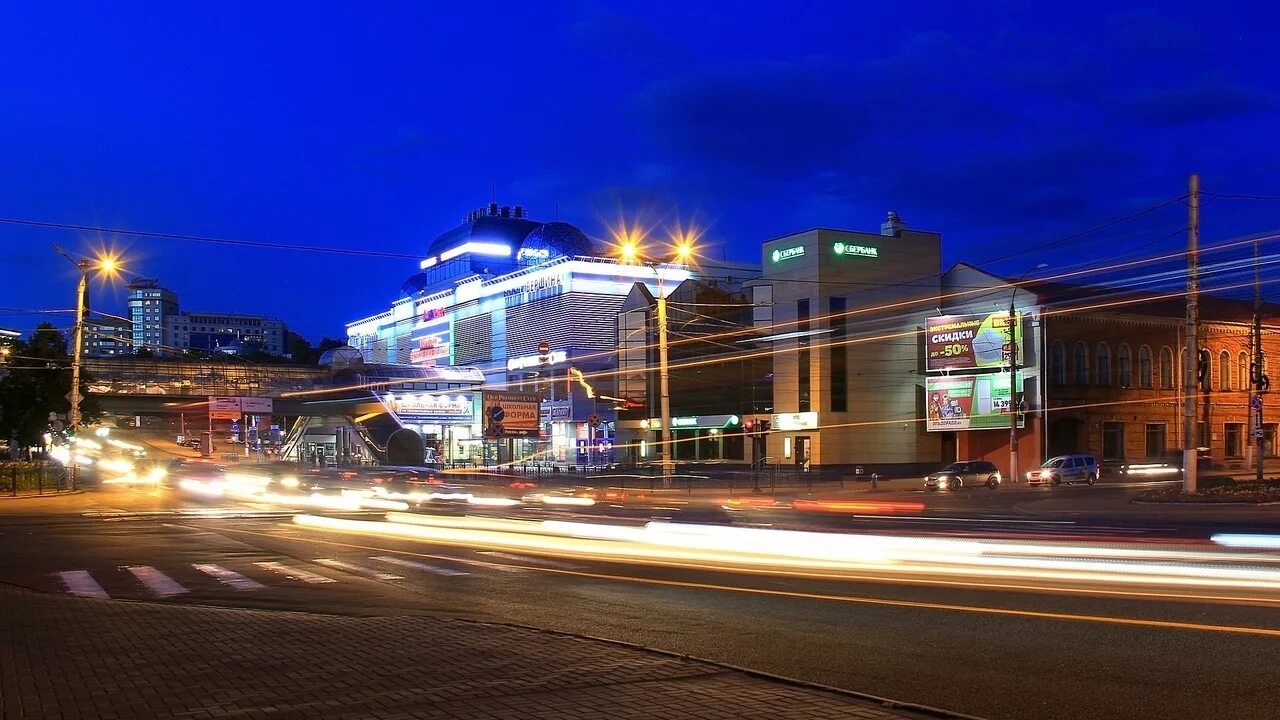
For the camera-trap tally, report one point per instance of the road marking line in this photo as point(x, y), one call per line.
point(294, 573)
point(526, 558)
point(228, 577)
point(349, 567)
point(419, 566)
point(82, 584)
point(479, 563)
point(156, 581)
point(1234, 629)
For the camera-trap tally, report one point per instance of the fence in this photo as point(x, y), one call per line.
point(35, 478)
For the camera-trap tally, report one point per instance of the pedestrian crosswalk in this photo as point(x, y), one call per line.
point(245, 576)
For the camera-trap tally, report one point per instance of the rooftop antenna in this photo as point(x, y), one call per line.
point(493, 191)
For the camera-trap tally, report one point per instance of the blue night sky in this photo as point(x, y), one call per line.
point(1004, 125)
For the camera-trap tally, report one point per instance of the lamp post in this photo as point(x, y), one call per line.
point(1014, 325)
point(629, 252)
point(108, 265)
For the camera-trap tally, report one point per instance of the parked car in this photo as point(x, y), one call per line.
point(1065, 469)
point(959, 474)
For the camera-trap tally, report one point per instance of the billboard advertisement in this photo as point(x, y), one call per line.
point(969, 402)
point(430, 347)
point(444, 409)
point(510, 414)
point(964, 342)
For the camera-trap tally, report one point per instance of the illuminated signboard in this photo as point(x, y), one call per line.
point(851, 250)
point(695, 421)
point(795, 421)
point(429, 407)
point(970, 402)
point(528, 361)
point(958, 342)
point(510, 414)
point(430, 349)
point(787, 253)
point(533, 254)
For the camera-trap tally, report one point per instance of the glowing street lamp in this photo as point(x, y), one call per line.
point(107, 265)
point(629, 252)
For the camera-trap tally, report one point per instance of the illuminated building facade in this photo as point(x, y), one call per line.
point(493, 290)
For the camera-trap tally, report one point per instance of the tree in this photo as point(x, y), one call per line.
point(37, 382)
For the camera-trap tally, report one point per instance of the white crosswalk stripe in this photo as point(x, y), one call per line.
point(294, 573)
point(156, 581)
point(352, 568)
point(479, 563)
point(231, 578)
point(81, 583)
point(419, 566)
point(526, 558)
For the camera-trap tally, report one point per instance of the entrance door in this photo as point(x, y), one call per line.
point(1112, 441)
point(1064, 436)
point(802, 452)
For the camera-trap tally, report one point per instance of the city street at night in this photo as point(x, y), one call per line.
point(909, 616)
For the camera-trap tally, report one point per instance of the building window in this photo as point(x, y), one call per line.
point(1224, 371)
point(839, 356)
point(1156, 444)
point(1058, 363)
point(1144, 366)
point(1124, 366)
point(1081, 362)
point(1104, 365)
point(1243, 375)
point(1166, 368)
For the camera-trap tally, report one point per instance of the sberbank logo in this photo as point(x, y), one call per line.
point(856, 250)
point(787, 253)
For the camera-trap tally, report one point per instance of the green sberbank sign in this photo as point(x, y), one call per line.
point(845, 249)
point(787, 253)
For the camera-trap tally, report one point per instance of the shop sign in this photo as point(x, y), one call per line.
point(969, 402)
point(696, 421)
point(432, 408)
point(845, 249)
point(787, 253)
point(795, 421)
point(533, 254)
point(528, 361)
point(959, 342)
point(430, 348)
point(510, 414)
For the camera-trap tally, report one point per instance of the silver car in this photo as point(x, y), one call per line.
point(1065, 469)
point(970, 473)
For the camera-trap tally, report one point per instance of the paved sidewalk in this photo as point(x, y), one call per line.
point(65, 657)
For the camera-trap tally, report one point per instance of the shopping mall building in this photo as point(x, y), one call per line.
point(534, 306)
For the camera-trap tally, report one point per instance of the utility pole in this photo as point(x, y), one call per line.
point(1014, 326)
point(1260, 381)
point(664, 385)
point(73, 416)
point(1190, 436)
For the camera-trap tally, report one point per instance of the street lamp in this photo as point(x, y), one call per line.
point(629, 251)
point(1013, 326)
point(108, 265)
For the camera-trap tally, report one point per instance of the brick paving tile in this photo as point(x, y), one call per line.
point(69, 657)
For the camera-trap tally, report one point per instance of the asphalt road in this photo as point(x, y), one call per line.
point(1023, 648)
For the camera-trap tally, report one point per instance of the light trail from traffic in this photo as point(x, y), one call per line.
point(1042, 566)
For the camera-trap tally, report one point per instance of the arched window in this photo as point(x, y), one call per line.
point(1166, 368)
point(1244, 377)
point(1224, 371)
point(1104, 364)
point(1144, 366)
point(1124, 366)
point(1058, 363)
point(1080, 361)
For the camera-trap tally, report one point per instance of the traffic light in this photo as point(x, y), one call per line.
point(1202, 370)
point(762, 426)
point(749, 425)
